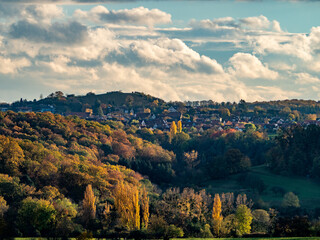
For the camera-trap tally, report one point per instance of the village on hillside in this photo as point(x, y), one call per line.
point(195, 116)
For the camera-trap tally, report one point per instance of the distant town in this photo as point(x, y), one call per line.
point(145, 111)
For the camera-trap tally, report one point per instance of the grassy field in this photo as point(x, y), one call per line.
point(293, 238)
point(307, 190)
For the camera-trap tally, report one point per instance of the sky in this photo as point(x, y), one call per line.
point(223, 50)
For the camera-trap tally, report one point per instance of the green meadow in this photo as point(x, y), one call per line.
point(306, 189)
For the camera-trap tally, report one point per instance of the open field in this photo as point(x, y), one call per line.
point(307, 190)
point(292, 238)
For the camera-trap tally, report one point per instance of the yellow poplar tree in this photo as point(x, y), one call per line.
point(126, 201)
point(89, 204)
point(144, 208)
point(173, 128)
point(216, 214)
point(179, 127)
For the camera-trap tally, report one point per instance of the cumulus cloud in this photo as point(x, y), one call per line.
point(68, 33)
point(32, 13)
point(306, 78)
point(295, 45)
point(170, 54)
point(242, 24)
point(260, 22)
point(102, 50)
point(42, 12)
point(245, 65)
point(135, 16)
point(11, 66)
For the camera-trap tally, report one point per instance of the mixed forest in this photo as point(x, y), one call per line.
point(70, 177)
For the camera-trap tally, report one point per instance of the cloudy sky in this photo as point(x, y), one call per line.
point(177, 50)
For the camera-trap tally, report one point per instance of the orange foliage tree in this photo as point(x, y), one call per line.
point(89, 204)
point(216, 214)
point(126, 201)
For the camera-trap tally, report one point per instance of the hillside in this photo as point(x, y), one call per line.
point(71, 103)
point(273, 189)
point(66, 176)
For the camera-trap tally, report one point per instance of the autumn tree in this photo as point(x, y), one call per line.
point(126, 201)
point(179, 126)
point(11, 155)
point(216, 214)
point(173, 129)
point(89, 204)
point(144, 208)
point(312, 117)
point(3, 209)
point(3, 206)
point(243, 219)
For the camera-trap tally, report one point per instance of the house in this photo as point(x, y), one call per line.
point(88, 111)
point(142, 115)
point(24, 109)
point(48, 108)
point(155, 124)
point(172, 109)
point(175, 116)
point(78, 114)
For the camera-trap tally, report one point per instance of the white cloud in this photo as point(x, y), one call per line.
point(135, 16)
point(11, 66)
point(281, 66)
point(247, 66)
point(168, 54)
point(306, 78)
point(295, 45)
point(260, 23)
point(118, 50)
point(44, 13)
point(61, 33)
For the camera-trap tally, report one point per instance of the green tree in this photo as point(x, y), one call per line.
point(206, 232)
point(36, 216)
point(290, 200)
point(250, 127)
point(173, 232)
point(243, 219)
point(261, 220)
point(236, 161)
point(66, 211)
point(225, 112)
point(3, 206)
point(3, 209)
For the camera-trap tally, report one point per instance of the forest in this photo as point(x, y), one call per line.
point(70, 177)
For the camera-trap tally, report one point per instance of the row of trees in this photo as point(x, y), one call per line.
point(133, 212)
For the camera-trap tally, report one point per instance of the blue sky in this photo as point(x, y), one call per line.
point(176, 50)
point(294, 16)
